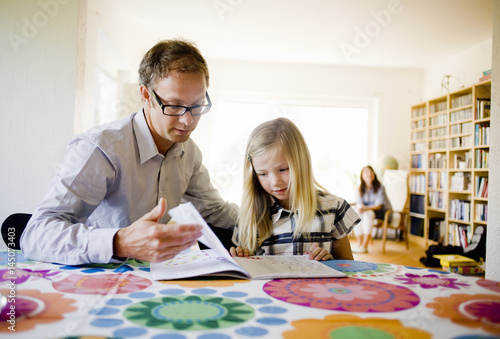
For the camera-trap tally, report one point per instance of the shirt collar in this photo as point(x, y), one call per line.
point(277, 212)
point(145, 142)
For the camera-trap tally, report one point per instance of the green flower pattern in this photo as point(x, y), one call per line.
point(193, 313)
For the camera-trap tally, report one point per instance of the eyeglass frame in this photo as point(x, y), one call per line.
point(186, 108)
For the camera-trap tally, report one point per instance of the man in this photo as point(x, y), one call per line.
point(109, 198)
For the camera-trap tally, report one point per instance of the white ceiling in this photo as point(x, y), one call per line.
point(415, 34)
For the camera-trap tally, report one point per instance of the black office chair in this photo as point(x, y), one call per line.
point(13, 227)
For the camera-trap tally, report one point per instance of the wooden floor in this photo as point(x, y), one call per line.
point(395, 253)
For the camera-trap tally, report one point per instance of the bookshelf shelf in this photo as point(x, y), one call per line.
point(449, 165)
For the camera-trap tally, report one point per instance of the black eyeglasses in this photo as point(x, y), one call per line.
point(178, 110)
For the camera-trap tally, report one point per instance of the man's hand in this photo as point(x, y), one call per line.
point(318, 253)
point(239, 252)
point(148, 240)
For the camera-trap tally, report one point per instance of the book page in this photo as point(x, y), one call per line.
point(188, 214)
point(286, 266)
point(191, 263)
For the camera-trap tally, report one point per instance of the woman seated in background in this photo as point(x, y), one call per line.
point(371, 204)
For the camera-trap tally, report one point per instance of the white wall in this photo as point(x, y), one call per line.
point(493, 237)
point(467, 66)
point(393, 91)
point(38, 67)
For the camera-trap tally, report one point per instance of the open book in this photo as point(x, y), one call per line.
point(217, 261)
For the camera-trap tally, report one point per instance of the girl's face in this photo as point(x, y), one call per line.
point(368, 176)
point(272, 170)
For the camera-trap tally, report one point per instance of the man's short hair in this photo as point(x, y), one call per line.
point(171, 55)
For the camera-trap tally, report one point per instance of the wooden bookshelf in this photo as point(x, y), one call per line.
point(449, 150)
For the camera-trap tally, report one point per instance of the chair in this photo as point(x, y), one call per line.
point(12, 229)
point(397, 190)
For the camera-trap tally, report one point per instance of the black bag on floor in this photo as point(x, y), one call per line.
point(475, 250)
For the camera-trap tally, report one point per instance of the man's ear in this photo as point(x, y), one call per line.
point(145, 95)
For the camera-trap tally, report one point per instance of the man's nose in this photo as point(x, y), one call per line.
point(187, 118)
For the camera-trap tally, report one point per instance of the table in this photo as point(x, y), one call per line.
point(375, 300)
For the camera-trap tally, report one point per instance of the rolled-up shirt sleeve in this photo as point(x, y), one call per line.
point(110, 177)
point(59, 230)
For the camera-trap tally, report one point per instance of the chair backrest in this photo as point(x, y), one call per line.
point(12, 229)
point(396, 187)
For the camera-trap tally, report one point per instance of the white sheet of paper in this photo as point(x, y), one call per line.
point(187, 214)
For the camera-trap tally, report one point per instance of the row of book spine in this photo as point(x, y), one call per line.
point(459, 235)
point(462, 100)
point(437, 179)
point(483, 109)
point(460, 209)
point(458, 142)
point(463, 114)
point(436, 200)
point(417, 183)
point(438, 107)
point(481, 187)
point(482, 156)
point(482, 212)
point(482, 134)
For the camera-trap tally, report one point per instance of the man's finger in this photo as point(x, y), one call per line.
point(156, 213)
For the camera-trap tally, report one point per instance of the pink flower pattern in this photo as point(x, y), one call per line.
point(347, 294)
point(431, 281)
point(101, 284)
point(339, 291)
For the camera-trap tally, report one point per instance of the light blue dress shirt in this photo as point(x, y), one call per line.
point(110, 177)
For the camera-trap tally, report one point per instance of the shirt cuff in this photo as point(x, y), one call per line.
point(101, 245)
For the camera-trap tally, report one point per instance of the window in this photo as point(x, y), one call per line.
point(337, 137)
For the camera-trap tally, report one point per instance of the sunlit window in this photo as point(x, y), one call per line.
point(337, 138)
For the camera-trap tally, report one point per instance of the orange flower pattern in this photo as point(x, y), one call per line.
point(478, 310)
point(34, 308)
point(340, 326)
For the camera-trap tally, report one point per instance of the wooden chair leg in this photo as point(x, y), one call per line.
point(384, 237)
point(405, 230)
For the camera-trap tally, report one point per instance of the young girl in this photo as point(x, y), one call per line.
point(284, 210)
point(371, 203)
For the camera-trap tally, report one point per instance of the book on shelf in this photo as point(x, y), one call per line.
point(482, 134)
point(436, 200)
point(481, 212)
point(416, 161)
point(459, 235)
point(417, 204)
point(483, 108)
point(216, 261)
point(460, 209)
point(462, 100)
point(463, 161)
point(417, 183)
point(485, 77)
point(481, 187)
point(482, 156)
point(437, 160)
point(417, 226)
point(460, 181)
point(437, 229)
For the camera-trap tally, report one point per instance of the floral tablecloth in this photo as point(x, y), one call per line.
point(122, 301)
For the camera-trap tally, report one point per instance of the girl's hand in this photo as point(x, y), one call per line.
point(239, 252)
point(318, 253)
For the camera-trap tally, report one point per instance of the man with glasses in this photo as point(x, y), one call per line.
point(109, 197)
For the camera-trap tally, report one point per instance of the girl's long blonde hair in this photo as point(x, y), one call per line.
point(254, 221)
